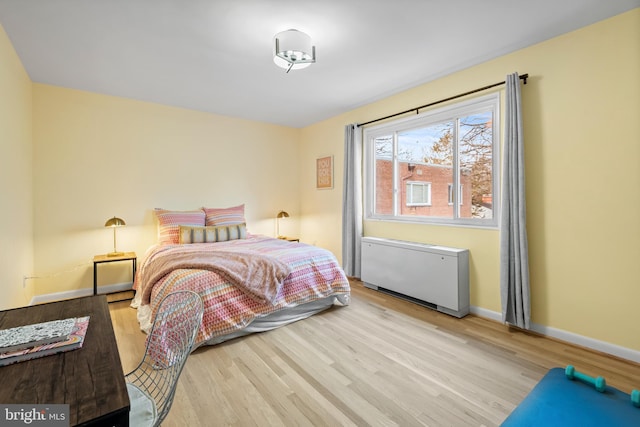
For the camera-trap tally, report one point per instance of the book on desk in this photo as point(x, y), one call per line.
point(27, 336)
point(34, 349)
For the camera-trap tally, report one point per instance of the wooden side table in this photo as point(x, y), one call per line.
point(99, 259)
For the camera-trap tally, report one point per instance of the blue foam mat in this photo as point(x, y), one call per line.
point(559, 401)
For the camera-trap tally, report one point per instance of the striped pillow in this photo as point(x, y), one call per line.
point(169, 223)
point(212, 234)
point(228, 216)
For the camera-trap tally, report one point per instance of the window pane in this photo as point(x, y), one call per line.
point(460, 194)
point(425, 155)
point(384, 175)
point(476, 165)
point(435, 167)
point(418, 193)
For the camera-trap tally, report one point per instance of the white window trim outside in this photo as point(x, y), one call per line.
point(460, 198)
point(420, 184)
point(450, 112)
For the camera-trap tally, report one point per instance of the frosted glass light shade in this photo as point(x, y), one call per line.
point(292, 50)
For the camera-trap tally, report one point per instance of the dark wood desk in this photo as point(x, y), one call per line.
point(89, 379)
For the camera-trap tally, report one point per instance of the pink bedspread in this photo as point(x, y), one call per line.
point(314, 274)
point(261, 276)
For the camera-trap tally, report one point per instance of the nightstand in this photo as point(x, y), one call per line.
point(100, 259)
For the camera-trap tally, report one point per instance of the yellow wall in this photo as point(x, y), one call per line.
point(581, 120)
point(16, 244)
point(98, 156)
point(95, 156)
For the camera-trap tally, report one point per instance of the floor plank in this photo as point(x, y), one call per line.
point(380, 361)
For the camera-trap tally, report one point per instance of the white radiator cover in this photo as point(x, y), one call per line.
point(436, 276)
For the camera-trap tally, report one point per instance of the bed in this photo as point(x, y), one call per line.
point(248, 283)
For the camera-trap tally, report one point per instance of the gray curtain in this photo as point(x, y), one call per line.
point(352, 201)
point(514, 251)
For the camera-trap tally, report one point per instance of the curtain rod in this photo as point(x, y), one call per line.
point(523, 77)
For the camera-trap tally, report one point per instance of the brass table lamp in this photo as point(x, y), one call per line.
point(281, 214)
point(115, 223)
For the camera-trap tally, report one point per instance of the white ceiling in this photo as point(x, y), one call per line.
point(216, 55)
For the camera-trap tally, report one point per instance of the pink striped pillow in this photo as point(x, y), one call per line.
point(228, 216)
point(169, 223)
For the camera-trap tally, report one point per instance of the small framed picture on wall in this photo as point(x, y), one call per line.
point(324, 172)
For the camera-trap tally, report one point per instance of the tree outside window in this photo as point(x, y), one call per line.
point(443, 152)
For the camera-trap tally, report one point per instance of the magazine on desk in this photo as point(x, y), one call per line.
point(28, 336)
point(73, 341)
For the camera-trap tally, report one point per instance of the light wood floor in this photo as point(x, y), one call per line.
point(381, 361)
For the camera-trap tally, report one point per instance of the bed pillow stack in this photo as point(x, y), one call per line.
point(205, 225)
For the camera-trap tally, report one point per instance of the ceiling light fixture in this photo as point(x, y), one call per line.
point(293, 50)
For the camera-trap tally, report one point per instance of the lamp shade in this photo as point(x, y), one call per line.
point(292, 50)
point(282, 214)
point(114, 222)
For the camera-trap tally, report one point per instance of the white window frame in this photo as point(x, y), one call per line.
point(439, 115)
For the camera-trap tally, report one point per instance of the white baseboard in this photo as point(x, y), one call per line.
point(570, 337)
point(487, 314)
point(77, 293)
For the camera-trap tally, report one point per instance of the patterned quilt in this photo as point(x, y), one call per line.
point(314, 275)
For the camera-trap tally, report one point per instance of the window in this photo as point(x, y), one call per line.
point(413, 166)
point(460, 197)
point(418, 193)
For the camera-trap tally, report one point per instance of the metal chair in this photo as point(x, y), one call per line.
point(152, 384)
